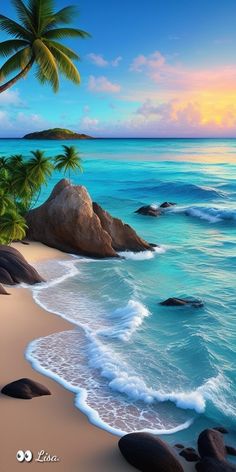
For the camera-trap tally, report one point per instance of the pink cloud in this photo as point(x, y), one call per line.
point(100, 61)
point(102, 84)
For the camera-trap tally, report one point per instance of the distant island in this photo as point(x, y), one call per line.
point(56, 133)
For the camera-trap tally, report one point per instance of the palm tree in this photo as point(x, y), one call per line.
point(36, 40)
point(69, 160)
point(12, 227)
point(40, 167)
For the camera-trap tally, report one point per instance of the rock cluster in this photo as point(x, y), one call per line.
point(15, 269)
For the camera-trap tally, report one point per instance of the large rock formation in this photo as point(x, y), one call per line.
point(69, 221)
point(15, 269)
point(149, 453)
point(213, 452)
point(25, 388)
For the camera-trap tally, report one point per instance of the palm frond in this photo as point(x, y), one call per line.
point(47, 63)
point(66, 66)
point(40, 10)
point(24, 15)
point(68, 51)
point(15, 29)
point(12, 45)
point(60, 33)
point(18, 61)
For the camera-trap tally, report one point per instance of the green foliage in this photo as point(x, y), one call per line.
point(36, 39)
point(20, 185)
point(69, 160)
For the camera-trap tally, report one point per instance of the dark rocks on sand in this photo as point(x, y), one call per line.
point(179, 446)
point(69, 221)
point(25, 388)
point(190, 454)
point(211, 444)
point(208, 464)
point(149, 210)
point(182, 302)
point(3, 291)
point(15, 269)
point(149, 453)
point(167, 204)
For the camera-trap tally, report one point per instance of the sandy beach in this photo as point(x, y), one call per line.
point(49, 423)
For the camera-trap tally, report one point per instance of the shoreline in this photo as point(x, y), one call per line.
point(49, 423)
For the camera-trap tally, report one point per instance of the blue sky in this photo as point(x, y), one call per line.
point(151, 68)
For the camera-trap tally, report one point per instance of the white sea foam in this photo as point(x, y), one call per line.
point(143, 255)
point(126, 320)
point(213, 215)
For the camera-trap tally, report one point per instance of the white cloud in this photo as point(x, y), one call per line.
point(10, 97)
point(116, 61)
point(100, 61)
point(102, 84)
point(17, 125)
point(89, 122)
point(97, 59)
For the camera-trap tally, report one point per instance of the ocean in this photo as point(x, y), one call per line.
point(134, 364)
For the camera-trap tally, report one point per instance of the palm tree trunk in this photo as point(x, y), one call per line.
point(19, 76)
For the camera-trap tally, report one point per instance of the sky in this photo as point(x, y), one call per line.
point(153, 68)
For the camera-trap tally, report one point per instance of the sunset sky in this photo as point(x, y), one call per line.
point(154, 68)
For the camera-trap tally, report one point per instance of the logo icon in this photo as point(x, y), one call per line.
point(24, 456)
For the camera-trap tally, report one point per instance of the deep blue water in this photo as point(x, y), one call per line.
point(132, 363)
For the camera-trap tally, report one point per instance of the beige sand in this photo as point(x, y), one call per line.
point(49, 423)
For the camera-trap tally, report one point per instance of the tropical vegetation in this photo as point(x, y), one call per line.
point(36, 41)
point(21, 180)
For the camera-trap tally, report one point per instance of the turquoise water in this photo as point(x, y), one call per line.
point(132, 363)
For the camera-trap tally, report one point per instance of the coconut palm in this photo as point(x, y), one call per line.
point(12, 227)
point(40, 167)
point(36, 39)
point(69, 160)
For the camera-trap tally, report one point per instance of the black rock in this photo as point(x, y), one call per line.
point(182, 302)
point(179, 446)
point(211, 444)
point(231, 450)
point(25, 388)
point(167, 204)
point(190, 454)
point(15, 269)
point(149, 453)
point(148, 210)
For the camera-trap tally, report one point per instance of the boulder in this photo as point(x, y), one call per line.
point(67, 221)
point(208, 464)
point(179, 446)
point(190, 454)
point(149, 453)
point(3, 291)
point(123, 236)
point(182, 302)
point(167, 204)
point(148, 210)
point(231, 450)
point(15, 269)
point(211, 444)
point(25, 388)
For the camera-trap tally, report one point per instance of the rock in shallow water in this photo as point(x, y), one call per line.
point(148, 210)
point(182, 302)
point(25, 389)
point(71, 223)
point(149, 453)
point(15, 269)
point(167, 204)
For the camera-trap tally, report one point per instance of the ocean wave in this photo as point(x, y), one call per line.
point(213, 215)
point(72, 358)
point(127, 320)
point(143, 255)
point(177, 188)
